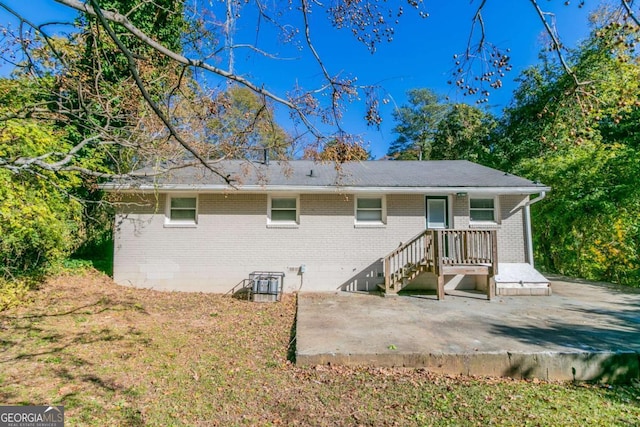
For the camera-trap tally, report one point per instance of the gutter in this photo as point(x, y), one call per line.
point(527, 220)
point(328, 189)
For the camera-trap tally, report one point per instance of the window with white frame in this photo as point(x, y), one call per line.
point(370, 210)
point(283, 210)
point(482, 209)
point(182, 210)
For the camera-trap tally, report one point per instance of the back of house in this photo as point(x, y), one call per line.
point(327, 227)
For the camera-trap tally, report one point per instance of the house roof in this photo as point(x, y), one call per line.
point(439, 176)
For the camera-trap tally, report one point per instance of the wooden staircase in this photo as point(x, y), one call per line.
point(443, 252)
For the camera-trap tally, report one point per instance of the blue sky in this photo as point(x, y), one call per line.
point(420, 55)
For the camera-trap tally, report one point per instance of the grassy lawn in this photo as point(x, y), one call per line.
point(120, 356)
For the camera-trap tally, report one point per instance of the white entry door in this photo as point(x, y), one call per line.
point(437, 212)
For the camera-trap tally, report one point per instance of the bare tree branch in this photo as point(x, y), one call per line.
point(122, 20)
point(627, 6)
point(40, 29)
point(143, 90)
point(556, 45)
point(477, 18)
point(334, 89)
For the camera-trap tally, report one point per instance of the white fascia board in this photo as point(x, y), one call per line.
point(302, 189)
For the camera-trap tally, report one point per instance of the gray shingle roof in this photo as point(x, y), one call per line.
point(304, 174)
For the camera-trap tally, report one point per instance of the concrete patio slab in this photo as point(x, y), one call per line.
point(584, 331)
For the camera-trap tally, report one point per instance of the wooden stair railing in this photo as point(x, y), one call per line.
point(408, 261)
point(433, 250)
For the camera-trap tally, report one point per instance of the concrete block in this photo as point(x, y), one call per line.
point(264, 298)
point(540, 291)
point(487, 364)
point(524, 291)
point(507, 292)
point(584, 366)
point(445, 363)
point(603, 367)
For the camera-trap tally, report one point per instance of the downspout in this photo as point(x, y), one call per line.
point(527, 221)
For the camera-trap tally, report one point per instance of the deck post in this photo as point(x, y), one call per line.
point(438, 264)
point(387, 274)
point(491, 285)
point(440, 291)
point(494, 252)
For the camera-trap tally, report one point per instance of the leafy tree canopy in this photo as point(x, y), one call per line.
point(586, 149)
point(429, 127)
point(40, 220)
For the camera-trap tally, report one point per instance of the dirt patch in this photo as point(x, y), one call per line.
point(121, 356)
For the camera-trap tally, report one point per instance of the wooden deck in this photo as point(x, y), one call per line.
point(443, 252)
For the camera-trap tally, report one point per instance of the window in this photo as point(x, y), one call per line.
point(182, 211)
point(283, 210)
point(482, 210)
point(370, 210)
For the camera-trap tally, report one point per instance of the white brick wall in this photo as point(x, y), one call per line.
point(232, 239)
point(511, 235)
point(511, 230)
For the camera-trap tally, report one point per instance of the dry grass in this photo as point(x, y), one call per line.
point(122, 356)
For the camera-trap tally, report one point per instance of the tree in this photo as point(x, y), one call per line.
point(40, 219)
point(417, 125)
point(137, 31)
point(68, 119)
point(429, 128)
point(341, 150)
point(241, 125)
point(586, 151)
point(463, 134)
point(588, 226)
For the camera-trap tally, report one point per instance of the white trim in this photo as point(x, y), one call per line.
point(484, 224)
point(370, 224)
point(283, 224)
point(302, 189)
point(168, 222)
point(527, 220)
point(448, 209)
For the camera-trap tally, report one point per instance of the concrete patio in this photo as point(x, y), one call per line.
point(584, 331)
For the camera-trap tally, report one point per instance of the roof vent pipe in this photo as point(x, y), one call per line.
point(265, 151)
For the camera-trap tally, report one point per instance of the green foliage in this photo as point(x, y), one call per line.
point(588, 226)
point(161, 19)
point(14, 292)
point(97, 249)
point(582, 140)
point(417, 123)
point(98, 105)
point(429, 128)
point(39, 222)
point(463, 133)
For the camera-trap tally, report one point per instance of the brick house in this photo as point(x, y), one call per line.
point(390, 225)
